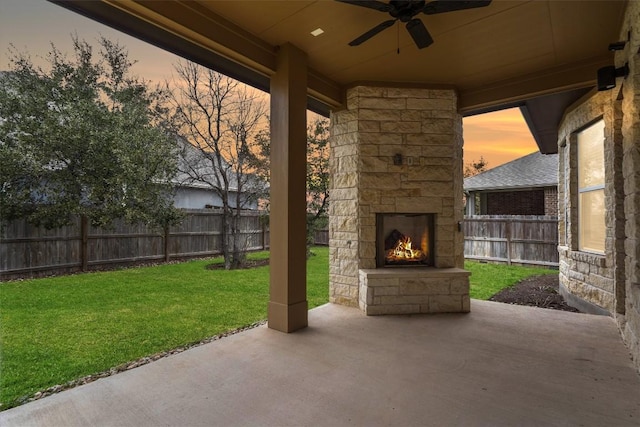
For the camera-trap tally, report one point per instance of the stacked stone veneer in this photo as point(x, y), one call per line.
point(587, 279)
point(628, 114)
point(607, 283)
point(424, 128)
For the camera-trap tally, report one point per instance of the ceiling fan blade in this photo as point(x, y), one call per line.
point(371, 4)
point(419, 33)
point(443, 6)
point(372, 32)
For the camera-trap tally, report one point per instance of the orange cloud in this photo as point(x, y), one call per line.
point(499, 137)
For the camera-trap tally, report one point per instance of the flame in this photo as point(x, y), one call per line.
point(404, 250)
point(424, 244)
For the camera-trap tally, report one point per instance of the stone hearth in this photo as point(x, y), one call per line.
point(396, 150)
point(428, 290)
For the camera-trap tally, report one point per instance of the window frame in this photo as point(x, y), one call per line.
point(590, 189)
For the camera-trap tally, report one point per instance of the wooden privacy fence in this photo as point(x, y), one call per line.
point(321, 237)
point(512, 239)
point(27, 250)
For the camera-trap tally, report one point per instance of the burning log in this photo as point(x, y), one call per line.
point(402, 250)
point(392, 239)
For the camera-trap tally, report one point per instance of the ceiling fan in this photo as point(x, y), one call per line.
point(406, 10)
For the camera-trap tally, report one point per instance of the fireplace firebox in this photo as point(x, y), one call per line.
point(404, 240)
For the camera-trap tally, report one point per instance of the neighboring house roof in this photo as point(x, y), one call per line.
point(194, 159)
point(533, 170)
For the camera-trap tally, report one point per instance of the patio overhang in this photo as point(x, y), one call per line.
point(500, 56)
point(539, 55)
point(253, 63)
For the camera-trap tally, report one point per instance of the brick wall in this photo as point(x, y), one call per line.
point(531, 202)
point(551, 201)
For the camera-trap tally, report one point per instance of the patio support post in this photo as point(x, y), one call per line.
point(287, 310)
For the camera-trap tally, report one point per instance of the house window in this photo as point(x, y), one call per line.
point(591, 209)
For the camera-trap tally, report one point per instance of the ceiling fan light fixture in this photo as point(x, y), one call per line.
point(419, 33)
point(405, 11)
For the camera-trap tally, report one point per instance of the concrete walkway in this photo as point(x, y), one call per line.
point(500, 365)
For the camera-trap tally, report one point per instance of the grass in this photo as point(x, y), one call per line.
point(58, 329)
point(489, 279)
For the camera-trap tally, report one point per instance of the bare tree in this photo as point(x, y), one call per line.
point(317, 172)
point(219, 118)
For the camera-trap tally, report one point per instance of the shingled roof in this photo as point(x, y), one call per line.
point(533, 170)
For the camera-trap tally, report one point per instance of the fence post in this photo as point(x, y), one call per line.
point(166, 243)
point(508, 235)
point(84, 243)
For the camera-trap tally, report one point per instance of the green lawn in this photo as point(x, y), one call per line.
point(55, 330)
point(488, 279)
point(58, 329)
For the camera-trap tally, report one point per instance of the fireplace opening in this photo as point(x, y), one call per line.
point(404, 240)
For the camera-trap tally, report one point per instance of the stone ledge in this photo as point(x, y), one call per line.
point(574, 291)
point(415, 272)
point(581, 256)
point(407, 290)
point(581, 304)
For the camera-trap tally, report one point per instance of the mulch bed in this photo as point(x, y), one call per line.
point(536, 291)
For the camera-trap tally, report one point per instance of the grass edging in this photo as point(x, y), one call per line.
point(487, 279)
point(59, 332)
point(187, 297)
point(129, 365)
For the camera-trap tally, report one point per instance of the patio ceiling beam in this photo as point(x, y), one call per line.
point(516, 91)
point(191, 21)
point(181, 28)
point(195, 31)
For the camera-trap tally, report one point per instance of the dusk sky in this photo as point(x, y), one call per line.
point(32, 25)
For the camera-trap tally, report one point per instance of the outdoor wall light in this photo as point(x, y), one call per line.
point(607, 76)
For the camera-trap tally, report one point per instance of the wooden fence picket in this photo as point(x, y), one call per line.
point(512, 239)
point(27, 251)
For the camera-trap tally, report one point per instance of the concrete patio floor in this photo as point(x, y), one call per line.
point(500, 365)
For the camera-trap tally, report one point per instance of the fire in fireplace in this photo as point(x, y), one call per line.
point(404, 240)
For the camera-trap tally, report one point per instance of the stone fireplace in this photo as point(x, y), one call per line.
point(395, 239)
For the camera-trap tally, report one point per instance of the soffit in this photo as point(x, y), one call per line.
point(503, 54)
point(562, 41)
